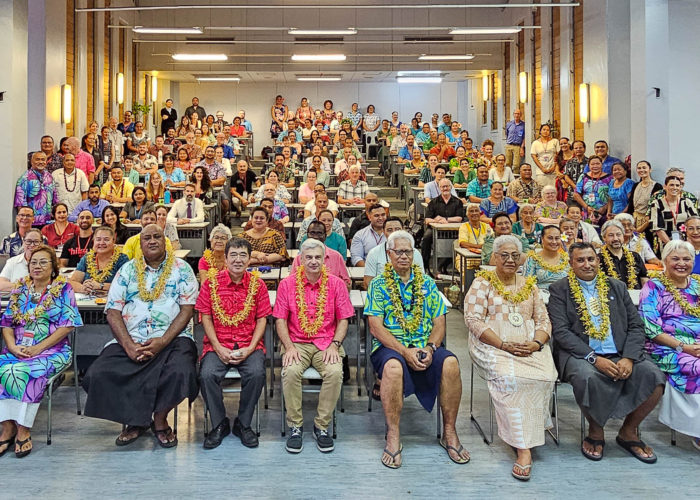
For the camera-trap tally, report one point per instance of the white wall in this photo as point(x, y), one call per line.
point(257, 98)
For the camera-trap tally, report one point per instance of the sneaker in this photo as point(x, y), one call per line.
point(246, 434)
point(295, 442)
point(324, 442)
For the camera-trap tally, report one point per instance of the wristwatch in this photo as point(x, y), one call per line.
point(679, 347)
point(592, 357)
point(539, 344)
point(432, 346)
point(337, 343)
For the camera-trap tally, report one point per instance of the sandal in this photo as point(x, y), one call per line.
point(8, 442)
point(628, 445)
point(459, 451)
point(164, 433)
point(22, 454)
point(129, 428)
point(522, 477)
point(695, 441)
point(393, 456)
point(375, 392)
point(594, 443)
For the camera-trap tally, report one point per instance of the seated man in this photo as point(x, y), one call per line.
point(406, 152)
point(362, 220)
point(441, 210)
point(13, 244)
point(480, 188)
point(334, 262)
point(501, 227)
point(637, 242)
point(132, 247)
point(150, 367)
point(310, 207)
point(525, 189)
point(617, 261)
point(118, 189)
point(17, 267)
point(378, 256)
point(353, 190)
point(145, 163)
point(431, 189)
point(234, 305)
point(322, 204)
point(187, 209)
point(94, 204)
point(442, 149)
point(311, 329)
point(599, 350)
point(76, 247)
point(411, 359)
point(369, 237)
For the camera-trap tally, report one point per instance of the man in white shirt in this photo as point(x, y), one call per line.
point(377, 257)
point(310, 207)
point(400, 140)
point(71, 184)
point(368, 238)
point(18, 266)
point(316, 151)
point(187, 209)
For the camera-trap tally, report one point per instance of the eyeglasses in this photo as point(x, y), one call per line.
point(40, 263)
point(25, 216)
point(242, 255)
point(32, 242)
point(402, 253)
point(219, 238)
point(515, 256)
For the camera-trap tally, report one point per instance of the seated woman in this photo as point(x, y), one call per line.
point(342, 169)
point(214, 258)
point(168, 228)
point(669, 212)
point(501, 173)
point(269, 247)
point(322, 177)
point(527, 226)
point(668, 305)
point(155, 189)
point(281, 192)
point(172, 176)
point(306, 190)
point(97, 268)
point(497, 202)
point(34, 331)
point(549, 210)
point(549, 264)
point(61, 230)
point(130, 172)
point(692, 233)
point(508, 343)
point(333, 240)
point(473, 232)
point(110, 218)
point(202, 184)
point(346, 125)
point(131, 213)
point(461, 154)
point(416, 164)
point(567, 228)
point(17, 267)
point(183, 161)
point(464, 174)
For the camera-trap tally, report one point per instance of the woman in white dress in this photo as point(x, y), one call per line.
point(544, 153)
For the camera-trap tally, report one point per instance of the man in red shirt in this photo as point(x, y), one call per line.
point(234, 305)
point(311, 329)
point(443, 150)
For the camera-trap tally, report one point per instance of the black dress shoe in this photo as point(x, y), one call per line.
point(217, 434)
point(246, 434)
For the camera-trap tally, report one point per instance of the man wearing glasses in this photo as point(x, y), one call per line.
point(18, 266)
point(12, 245)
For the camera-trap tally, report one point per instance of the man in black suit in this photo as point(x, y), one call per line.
point(169, 117)
point(605, 361)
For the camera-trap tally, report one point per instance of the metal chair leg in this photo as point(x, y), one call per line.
point(284, 410)
point(265, 393)
point(673, 437)
point(48, 420)
point(175, 421)
point(439, 423)
point(583, 427)
point(75, 375)
point(257, 418)
point(471, 412)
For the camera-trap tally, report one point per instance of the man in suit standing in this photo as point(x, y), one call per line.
point(599, 349)
point(169, 117)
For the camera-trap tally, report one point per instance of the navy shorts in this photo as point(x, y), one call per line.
point(424, 384)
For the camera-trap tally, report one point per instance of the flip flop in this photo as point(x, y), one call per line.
point(9, 443)
point(375, 392)
point(124, 442)
point(594, 443)
point(522, 477)
point(448, 448)
point(393, 458)
point(22, 454)
point(628, 445)
point(164, 432)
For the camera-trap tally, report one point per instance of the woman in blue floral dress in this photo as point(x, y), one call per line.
point(40, 315)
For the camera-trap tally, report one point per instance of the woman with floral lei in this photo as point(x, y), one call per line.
point(97, 268)
point(670, 309)
point(214, 259)
point(549, 264)
point(40, 315)
point(509, 334)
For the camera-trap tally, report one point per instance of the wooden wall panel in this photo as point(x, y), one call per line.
point(122, 39)
point(578, 67)
point(506, 79)
point(494, 101)
point(70, 52)
point(90, 65)
point(556, 69)
point(536, 20)
point(107, 75)
point(134, 75)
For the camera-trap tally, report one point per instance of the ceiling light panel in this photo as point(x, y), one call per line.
point(200, 57)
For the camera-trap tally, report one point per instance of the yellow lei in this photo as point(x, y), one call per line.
point(631, 271)
point(397, 302)
point(512, 297)
point(52, 291)
point(96, 274)
point(680, 300)
point(563, 261)
point(310, 329)
point(209, 258)
point(225, 318)
point(602, 288)
point(144, 293)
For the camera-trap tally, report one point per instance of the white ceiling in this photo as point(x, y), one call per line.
point(259, 47)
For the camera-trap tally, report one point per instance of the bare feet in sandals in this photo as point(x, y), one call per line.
point(392, 451)
point(457, 453)
point(522, 468)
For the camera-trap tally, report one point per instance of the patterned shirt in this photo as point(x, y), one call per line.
point(148, 320)
point(476, 188)
point(70, 187)
point(338, 307)
point(379, 304)
point(233, 296)
point(356, 118)
point(530, 191)
point(348, 191)
point(216, 170)
point(594, 191)
point(121, 260)
point(12, 245)
point(177, 175)
point(272, 242)
point(37, 190)
point(337, 227)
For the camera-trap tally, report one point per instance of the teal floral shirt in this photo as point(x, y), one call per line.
point(379, 304)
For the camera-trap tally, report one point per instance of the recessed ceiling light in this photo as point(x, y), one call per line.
point(200, 57)
point(348, 31)
point(318, 57)
point(420, 72)
point(419, 79)
point(167, 31)
point(318, 78)
point(218, 78)
point(465, 57)
point(505, 30)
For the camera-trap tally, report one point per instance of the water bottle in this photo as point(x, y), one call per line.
point(166, 197)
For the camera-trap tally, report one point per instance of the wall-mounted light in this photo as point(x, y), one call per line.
point(154, 88)
point(522, 87)
point(66, 103)
point(485, 87)
point(584, 103)
point(120, 88)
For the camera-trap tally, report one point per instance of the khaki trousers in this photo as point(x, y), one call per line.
point(513, 157)
point(332, 375)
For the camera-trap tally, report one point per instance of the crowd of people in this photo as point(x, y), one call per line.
point(562, 242)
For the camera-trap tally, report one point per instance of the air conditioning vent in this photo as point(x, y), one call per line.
point(318, 39)
point(431, 39)
point(209, 39)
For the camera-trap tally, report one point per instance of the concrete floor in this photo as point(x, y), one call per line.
point(83, 462)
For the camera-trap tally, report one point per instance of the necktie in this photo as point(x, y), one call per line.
point(189, 210)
